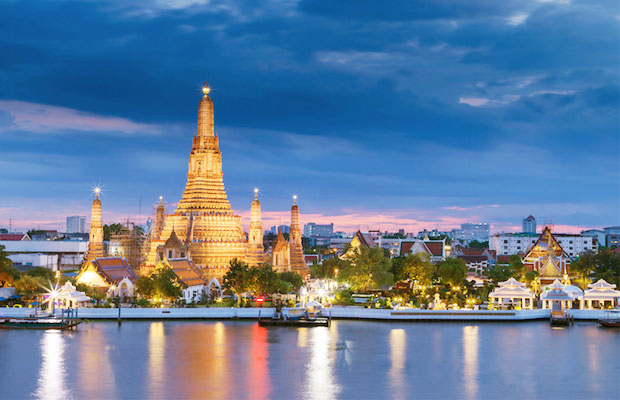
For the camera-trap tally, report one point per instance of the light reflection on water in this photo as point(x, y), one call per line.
point(470, 361)
point(352, 359)
point(398, 355)
point(52, 375)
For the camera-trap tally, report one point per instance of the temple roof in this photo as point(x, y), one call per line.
point(186, 271)
point(114, 269)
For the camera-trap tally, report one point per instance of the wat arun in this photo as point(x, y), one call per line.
point(203, 226)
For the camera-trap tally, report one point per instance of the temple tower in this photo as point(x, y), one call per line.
point(280, 253)
point(95, 235)
point(204, 220)
point(256, 250)
point(298, 263)
point(159, 218)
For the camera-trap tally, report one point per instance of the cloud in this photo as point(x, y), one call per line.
point(517, 19)
point(457, 208)
point(44, 118)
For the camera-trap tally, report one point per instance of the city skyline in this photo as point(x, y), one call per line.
point(403, 119)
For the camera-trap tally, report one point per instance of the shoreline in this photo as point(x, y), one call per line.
point(337, 313)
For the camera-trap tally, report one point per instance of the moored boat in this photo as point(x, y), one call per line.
point(38, 323)
point(612, 320)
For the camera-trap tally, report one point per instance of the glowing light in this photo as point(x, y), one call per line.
point(255, 190)
point(206, 89)
point(294, 197)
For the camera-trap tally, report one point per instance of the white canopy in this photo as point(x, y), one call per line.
point(512, 289)
point(601, 290)
point(555, 292)
point(69, 292)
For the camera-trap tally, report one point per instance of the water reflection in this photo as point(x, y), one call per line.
point(97, 376)
point(320, 383)
point(157, 345)
point(470, 361)
point(398, 354)
point(259, 370)
point(52, 375)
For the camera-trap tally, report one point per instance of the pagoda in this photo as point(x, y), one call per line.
point(206, 229)
point(95, 234)
point(256, 249)
point(297, 260)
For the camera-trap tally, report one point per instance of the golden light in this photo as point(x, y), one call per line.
point(295, 197)
point(97, 190)
point(206, 89)
point(161, 198)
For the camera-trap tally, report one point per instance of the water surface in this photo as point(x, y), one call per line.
point(350, 360)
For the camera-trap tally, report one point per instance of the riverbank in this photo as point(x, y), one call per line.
point(355, 313)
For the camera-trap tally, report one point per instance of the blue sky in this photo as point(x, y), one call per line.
point(377, 114)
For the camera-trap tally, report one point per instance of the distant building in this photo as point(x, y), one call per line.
point(435, 249)
point(528, 225)
point(521, 243)
point(598, 234)
point(472, 231)
point(13, 237)
point(274, 230)
point(311, 230)
point(612, 236)
point(55, 255)
point(76, 224)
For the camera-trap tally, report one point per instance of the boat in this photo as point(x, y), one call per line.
point(38, 323)
point(296, 317)
point(612, 320)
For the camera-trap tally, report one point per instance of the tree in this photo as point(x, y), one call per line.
point(500, 273)
point(517, 265)
point(264, 279)
point(293, 278)
point(8, 273)
point(327, 269)
point(583, 267)
point(112, 229)
point(474, 244)
point(419, 267)
point(42, 272)
point(237, 279)
point(452, 271)
point(608, 267)
point(30, 286)
point(370, 268)
point(144, 286)
point(166, 284)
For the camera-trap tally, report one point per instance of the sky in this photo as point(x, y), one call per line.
point(379, 115)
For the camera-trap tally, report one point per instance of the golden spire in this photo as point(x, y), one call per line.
point(205, 114)
point(256, 193)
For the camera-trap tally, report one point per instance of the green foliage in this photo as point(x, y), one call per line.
point(166, 284)
point(112, 229)
point(8, 273)
point(45, 273)
point(237, 279)
point(418, 267)
point(370, 268)
point(607, 267)
point(452, 271)
point(30, 286)
point(327, 270)
point(474, 244)
point(500, 273)
point(143, 303)
point(293, 278)
point(144, 286)
point(264, 279)
point(517, 266)
point(344, 298)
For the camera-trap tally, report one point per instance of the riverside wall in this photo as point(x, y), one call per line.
point(336, 312)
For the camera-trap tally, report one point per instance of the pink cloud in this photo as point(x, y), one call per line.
point(457, 208)
point(43, 118)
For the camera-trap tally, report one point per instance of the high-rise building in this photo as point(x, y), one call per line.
point(76, 224)
point(311, 230)
point(205, 228)
point(528, 225)
point(472, 231)
point(275, 230)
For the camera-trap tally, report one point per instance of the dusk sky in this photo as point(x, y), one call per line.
point(379, 114)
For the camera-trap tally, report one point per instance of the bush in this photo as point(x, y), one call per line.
point(143, 303)
point(344, 298)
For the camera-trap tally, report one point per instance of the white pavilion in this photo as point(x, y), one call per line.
point(559, 297)
point(514, 291)
point(69, 297)
point(598, 294)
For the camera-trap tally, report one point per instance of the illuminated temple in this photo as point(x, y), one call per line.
point(203, 227)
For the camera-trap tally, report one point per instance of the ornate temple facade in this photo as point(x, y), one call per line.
point(204, 224)
point(298, 263)
point(95, 235)
point(256, 249)
point(548, 258)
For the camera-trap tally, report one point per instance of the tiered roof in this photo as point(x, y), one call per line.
point(186, 271)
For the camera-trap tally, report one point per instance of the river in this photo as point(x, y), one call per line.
point(350, 360)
